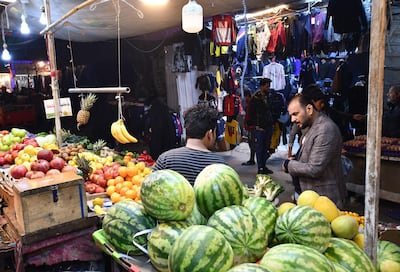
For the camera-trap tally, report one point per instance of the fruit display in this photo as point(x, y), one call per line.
point(121, 223)
point(167, 195)
point(120, 132)
point(389, 146)
point(217, 186)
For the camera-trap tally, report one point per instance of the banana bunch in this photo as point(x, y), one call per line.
point(121, 134)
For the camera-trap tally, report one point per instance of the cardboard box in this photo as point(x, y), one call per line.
point(49, 201)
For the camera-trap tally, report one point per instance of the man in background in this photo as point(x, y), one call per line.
point(391, 116)
point(200, 124)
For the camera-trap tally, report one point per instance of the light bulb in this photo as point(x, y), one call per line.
point(43, 19)
point(192, 17)
point(24, 26)
point(5, 55)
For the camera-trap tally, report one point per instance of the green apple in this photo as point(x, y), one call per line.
point(19, 132)
point(4, 147)
point(7, 140)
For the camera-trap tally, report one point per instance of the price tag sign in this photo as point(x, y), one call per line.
point(65, 107)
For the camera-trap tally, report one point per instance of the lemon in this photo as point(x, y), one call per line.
point(98, 201)
point(307, 198)
point(359, 239)
point(326, 206)
point(285, 206)
point(345, 226)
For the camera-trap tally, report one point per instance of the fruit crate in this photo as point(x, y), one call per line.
point(130, 264)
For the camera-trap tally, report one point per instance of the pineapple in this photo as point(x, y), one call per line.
point(83, 164)
point(83, 114)
point(98, 146)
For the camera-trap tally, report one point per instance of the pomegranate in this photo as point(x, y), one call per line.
point(52, 172)
point(18, 171)
point(69, 168)
point(40, 165)
point(45, 154)
point(37, 174)
point(57, 163)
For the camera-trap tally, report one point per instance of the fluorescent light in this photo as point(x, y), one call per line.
point(24, 26)
point(275, 10)
point(155, 2)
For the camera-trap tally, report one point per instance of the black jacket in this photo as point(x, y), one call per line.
point(260, 110)
point(391, 121)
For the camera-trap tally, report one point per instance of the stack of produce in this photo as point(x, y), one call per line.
point(389, 146)
point(214, 226)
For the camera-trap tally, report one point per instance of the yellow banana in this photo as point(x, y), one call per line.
point(116, 133)
point(98, 210)
point(126, 133)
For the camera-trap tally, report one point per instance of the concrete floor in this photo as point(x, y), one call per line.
point(389, 212)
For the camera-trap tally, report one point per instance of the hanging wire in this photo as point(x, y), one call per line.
point(119, 96)
point(69, 46)
point(246, 49)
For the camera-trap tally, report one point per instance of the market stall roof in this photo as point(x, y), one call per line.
point(97, 21)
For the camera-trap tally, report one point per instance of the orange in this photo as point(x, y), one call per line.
point(130, 194)
point(119, 179)
point(115, 197)
point(131, 171)
point(127, 184)
point(123, 190)
point(110, 182)
point(110, 190)
point(118, 187)
point(122, 171)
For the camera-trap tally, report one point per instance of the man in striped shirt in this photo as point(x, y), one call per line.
point(200, 125)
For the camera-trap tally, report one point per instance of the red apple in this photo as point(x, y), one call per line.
point(101, 181)
point(2, 160)
point(14, 153)
point(9, 158)
point(18, 171)
point(99, 189)
point(90, 188)
point(40, 165)
point(53, 172)
point(57, 163)
point(108, 173)
point(45, 154)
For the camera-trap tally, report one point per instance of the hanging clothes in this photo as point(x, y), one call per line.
point(223, 30)
point(263, 36)
point(317, 27)
point(276, 72)
point(278, 35)
point(347, 16)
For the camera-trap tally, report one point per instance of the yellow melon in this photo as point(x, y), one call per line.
point(359, 239)
point(307, 198)
point(389, 266)
point(326, 206)
point(285, 206)
point(344, 226)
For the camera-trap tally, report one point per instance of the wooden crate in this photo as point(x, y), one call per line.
point(49, 201)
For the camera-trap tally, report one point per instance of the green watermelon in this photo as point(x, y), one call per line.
point(248, 267)
point(217, 186)
point(339, 268)
point(347, 253)
point(161, 240)
point(295, 258)
point(200, 249)
point(265, 212)
point(167, 195)
point(303, 225)
point(196, 218)
point(122, 221)
point(388, 257)
point(243, 231)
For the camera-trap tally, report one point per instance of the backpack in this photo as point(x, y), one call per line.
point(230, 83)
point(231, 105)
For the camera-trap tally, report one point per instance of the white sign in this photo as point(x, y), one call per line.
point(65, 107)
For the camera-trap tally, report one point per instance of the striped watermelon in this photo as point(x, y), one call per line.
point(295, 258)
point(339, 268)
point(122, 221)
point(217, 186)
point(243, 231)
point(265, 212)
point(200, 249)
point(196, 218)
point(167, 195)
point(161, 240)
point(349, 255)
point(303, 225)
point(248, 267)
point(388, 256)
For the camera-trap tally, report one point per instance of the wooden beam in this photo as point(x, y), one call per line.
point(374, 125)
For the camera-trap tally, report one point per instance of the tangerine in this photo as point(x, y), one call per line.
point(130, 194)
point(131, 171)
point(110, 182)
point(110, 190)
point(123, 191)
point(119, 179)
point(127, 184)
point(118, 187)
point(122, 171)
point(115, 197)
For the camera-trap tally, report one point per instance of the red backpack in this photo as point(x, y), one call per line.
point(231, 105)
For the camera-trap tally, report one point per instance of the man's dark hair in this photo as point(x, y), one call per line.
point(304, 100)
point(199, 119)
point(314, 92)
point(264, 81)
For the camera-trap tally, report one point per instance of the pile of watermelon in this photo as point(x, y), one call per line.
point(214, 226)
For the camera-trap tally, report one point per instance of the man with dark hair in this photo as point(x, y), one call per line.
point(261, 115)
point(200, 123)
point(391, 116)
point(318, 165)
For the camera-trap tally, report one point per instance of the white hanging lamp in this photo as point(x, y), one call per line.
point(192, 17)
point(6, 54)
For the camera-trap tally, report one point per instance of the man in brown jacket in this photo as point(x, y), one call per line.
point(319, 165)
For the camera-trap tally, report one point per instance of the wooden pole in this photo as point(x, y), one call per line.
point(374, 132)
point(51, 53)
